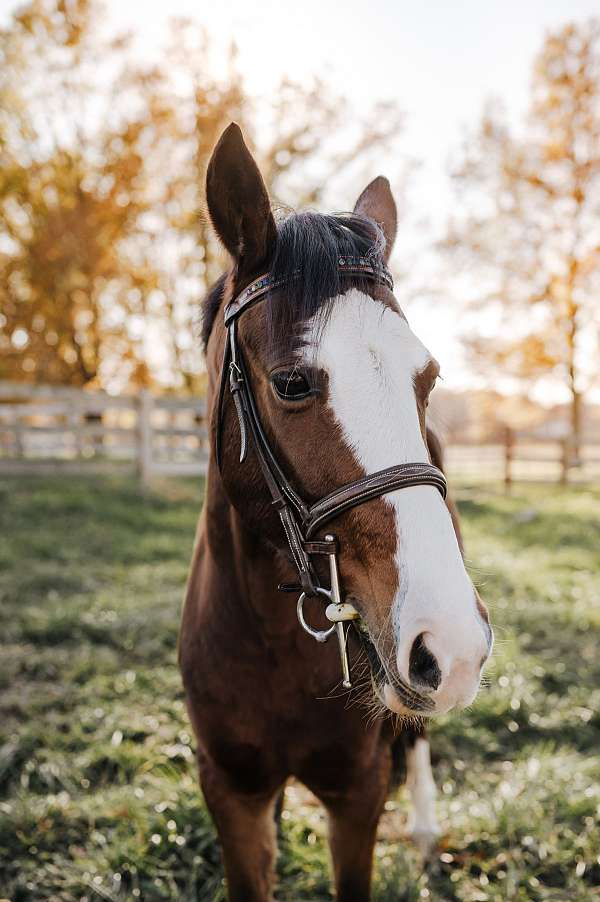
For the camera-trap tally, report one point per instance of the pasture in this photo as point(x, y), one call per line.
point(98, 792)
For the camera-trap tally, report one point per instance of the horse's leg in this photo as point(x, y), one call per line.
point(352, 831)
point(247, 830)
point(353, 819)
point(423, 825)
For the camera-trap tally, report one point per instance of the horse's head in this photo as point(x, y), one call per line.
point(341, 384)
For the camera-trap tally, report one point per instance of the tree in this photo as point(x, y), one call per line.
point(105, 247)
point(527, 224)
point(309, 149)
point(73, 196)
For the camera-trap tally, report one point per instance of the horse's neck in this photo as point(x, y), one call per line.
point(239, 561)
point(241, 556)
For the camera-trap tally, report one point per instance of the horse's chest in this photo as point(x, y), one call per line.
point(265, 708)
point(322, 752)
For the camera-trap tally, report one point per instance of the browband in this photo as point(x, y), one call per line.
point(348, 266)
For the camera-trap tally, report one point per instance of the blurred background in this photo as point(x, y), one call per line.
point(486, 119)
point(490, 134)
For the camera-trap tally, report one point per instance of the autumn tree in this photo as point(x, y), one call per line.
point(105, 245)
point(527, 225)
point(76, 124)
point(309, 148)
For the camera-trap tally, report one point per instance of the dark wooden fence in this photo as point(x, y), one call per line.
point(521, 457)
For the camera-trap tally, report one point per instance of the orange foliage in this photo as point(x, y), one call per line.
point(105, 248)
point(527, 222)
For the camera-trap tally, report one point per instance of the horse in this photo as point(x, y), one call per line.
point(324, 480)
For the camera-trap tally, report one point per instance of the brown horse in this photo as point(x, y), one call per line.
point(319, 384)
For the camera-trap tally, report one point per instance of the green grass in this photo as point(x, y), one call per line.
point(98, 793)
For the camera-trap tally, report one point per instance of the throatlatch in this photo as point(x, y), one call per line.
point(301, 521)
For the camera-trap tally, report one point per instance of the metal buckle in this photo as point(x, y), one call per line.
point(235, 373)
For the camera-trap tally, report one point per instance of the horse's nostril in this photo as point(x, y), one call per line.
point(423, 668)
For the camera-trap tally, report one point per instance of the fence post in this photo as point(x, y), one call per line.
point(75, 418)
point(18, 436)
point(565, 459)
point(509, 444)
point(145, 435)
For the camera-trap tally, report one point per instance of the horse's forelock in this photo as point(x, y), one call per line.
point(309, 244)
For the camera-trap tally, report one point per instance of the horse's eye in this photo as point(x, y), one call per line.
point(291, 385)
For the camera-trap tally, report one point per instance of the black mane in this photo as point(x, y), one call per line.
point(210, 307)
point(312, 244)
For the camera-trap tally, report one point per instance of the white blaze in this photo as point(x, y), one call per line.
point(371, 357)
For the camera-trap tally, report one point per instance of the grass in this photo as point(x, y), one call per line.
point(98, 794)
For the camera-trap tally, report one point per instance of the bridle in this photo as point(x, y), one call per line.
point(301, 521)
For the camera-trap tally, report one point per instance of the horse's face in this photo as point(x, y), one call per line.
point(347, 398)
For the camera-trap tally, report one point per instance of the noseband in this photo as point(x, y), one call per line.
point(302, 521)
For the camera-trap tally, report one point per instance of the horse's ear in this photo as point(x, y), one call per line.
point(377, 202)
point(238, 202)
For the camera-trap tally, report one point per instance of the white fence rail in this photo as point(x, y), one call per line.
point(56, 429)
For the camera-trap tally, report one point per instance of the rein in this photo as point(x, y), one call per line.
point(300, 520)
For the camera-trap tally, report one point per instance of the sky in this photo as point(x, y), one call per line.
point(439, 60)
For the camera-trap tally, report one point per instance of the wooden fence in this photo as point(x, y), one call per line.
point(524, 458)
point(52, 429)
point(55, 429)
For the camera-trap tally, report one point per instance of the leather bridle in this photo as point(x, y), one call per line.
point(302, 521)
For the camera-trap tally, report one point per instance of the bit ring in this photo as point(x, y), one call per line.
point(319, 635)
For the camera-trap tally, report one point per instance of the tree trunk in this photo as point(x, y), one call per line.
point(572, 374)
point(576, 422)
point(576, 396)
